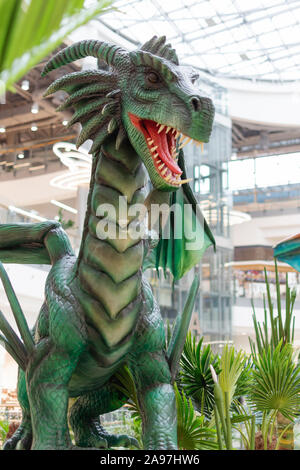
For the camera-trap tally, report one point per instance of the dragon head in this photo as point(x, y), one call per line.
point(144, 95)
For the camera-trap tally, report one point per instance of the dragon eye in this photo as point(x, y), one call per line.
point(153, 77)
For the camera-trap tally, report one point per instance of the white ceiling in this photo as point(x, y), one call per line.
point(256, 39)
point(30, 191)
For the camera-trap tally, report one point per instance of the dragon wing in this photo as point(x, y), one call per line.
point(189, 234)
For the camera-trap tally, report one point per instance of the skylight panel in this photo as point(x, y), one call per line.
point(234, 37)
point(296, 14)
point(262, 26)
point(206, 9)
point(271, 39)
point(283, 20)
point(224, 7)
point(290, 35)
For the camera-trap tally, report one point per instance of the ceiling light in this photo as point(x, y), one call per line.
point(21, 155)
point(25, 85)
point(35, 108)
point(34, 127)
point(2, 129)
point(79, 163)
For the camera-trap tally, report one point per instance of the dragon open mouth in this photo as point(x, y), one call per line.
point(162, 143)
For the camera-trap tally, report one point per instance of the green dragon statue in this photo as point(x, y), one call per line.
point(99, 311)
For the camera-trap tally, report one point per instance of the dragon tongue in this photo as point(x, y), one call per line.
point(164, 143)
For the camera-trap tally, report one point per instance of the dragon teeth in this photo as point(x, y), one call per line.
point(186, 181)
point(161, 128)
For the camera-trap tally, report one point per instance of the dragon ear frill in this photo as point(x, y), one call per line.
point(93, 94)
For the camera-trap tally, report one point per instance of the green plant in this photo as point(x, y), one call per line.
point(31, 29)
point(65, 223)
point(276, 382)
point(225, 384)
point(282, 327)
point(282, 336)
point(195, 374)
point(4, 428)
point(124, 382)
point(192, 431)
point(244, 421)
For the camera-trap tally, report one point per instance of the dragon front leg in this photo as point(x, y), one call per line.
point(47, 383)
point(157, 401)
point(151, 371)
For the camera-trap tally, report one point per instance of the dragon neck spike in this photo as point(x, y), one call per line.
point(101, 50)
point(158, 47)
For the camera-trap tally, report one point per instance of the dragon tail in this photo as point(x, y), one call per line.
point(181, 329)
point(19, 349)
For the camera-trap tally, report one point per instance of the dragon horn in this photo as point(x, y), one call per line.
point(101, 50)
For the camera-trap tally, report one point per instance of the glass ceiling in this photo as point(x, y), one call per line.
point(256, 39)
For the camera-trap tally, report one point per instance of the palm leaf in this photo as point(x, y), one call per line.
point(232, 365)
point(124, 382)
point(195, 374)
point(192, 432)
point(282, 329)
point(31, 29)
point(276, 382)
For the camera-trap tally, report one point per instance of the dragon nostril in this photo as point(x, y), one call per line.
point(196, 103)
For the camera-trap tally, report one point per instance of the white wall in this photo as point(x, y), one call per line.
point(242, 324)
point(28, 283)
point(265, 230)
point(264, 102)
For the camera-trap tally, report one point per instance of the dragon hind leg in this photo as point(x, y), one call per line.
point(85, 419)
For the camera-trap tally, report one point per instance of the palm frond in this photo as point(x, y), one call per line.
point(192, 431)
point(195, 374)
point(276, 382)
point(123, 381)
point(282, 325)
point(31, 29)
point(232, 365)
